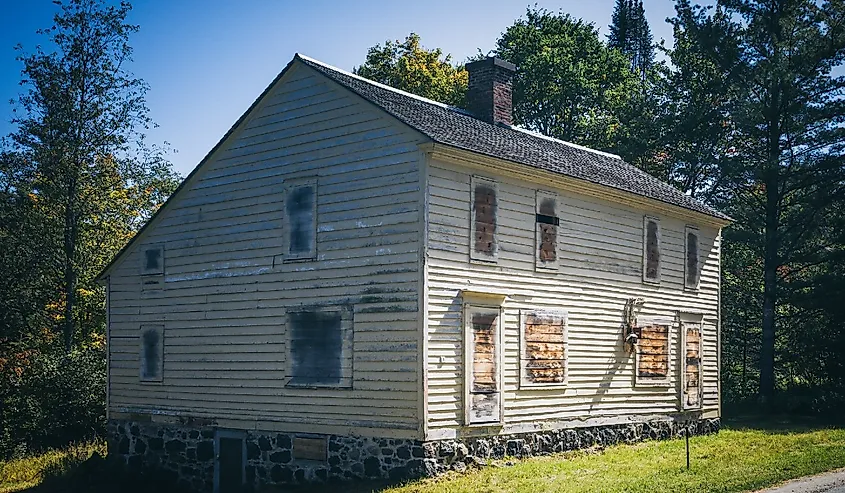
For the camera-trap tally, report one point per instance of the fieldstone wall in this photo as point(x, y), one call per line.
point(184, 453)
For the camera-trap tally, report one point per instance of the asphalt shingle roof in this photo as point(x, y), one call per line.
point(454, 127)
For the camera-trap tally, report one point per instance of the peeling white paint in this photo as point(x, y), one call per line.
point(325, 228)
point(215, 274)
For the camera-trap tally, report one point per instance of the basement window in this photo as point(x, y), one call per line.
point(543, 348)
point(692, 269)
point(152, 260)
point(547, 224)
point(484, 245)
point(320, 348)
point(652, 357)
point(301, 220)
point(651, 250)
point(151, 355)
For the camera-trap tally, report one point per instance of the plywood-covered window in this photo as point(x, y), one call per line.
point(301, 220)
point(651, 249)
point(652, 363)
point(152, 260)
point(151, 353)
point(319, 347)
point(691, 346)
point(483, 364)
point(543, 348)
point(547, 224)
point(692, 267)
point(484, 220)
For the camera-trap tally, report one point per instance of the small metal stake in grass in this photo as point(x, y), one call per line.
point(687, 439)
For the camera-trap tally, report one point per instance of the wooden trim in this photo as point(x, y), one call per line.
point(468, 309)
point(423, 297)
point(719, 327)
point(108, 347)
point(545, 178)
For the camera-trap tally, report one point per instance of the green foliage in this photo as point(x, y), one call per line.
point(568, 84)
point(76, 182)
point(50, 399)
point(630, 33)
point(406, 65)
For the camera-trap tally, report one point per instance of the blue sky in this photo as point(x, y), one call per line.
point(207, 60)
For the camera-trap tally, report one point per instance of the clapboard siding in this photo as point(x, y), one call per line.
point(227, 289)
point(600, 251)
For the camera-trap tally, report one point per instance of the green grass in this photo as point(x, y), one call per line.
point(20, 474)
point(733, 460)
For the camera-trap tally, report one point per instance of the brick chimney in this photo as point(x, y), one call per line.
point(489, 95)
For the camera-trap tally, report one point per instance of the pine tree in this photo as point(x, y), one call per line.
point(619, 36)
point(630, 34)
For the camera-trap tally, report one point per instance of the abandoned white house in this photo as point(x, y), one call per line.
point(359, 282)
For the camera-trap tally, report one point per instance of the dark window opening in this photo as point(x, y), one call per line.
point(316, 348)
point(692, 260)
point(300, 210)
point(652, 270)
point(547, 223)
point(151, 353)
point(153, 259)
point(485, 219)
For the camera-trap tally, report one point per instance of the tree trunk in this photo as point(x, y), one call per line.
point(70, 281)
point(770, 266)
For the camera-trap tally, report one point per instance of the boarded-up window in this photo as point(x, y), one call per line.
point(651, 249)
point(692, 269)
point(547, 224)
point(320, 347)
point(152, 260)
point(301, 220)
point(151, 353)
point(691, 364)
point(483, 244)
point(483, 365)
point(543, 352)
point(653, 352)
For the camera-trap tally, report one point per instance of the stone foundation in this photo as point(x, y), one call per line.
point(185, 453)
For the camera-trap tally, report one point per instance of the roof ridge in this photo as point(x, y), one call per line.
point(383, 86)
point(564, 142)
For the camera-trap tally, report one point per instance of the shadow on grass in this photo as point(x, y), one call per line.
point(780, 423)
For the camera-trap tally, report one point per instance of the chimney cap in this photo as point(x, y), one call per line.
point(491, 61)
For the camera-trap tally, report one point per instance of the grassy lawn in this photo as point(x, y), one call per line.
point(20, 474)
point(740, 458)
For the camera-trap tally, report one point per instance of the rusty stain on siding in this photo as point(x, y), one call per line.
point(485, 219)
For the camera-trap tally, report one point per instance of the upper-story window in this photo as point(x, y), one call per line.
point(651, 249)
point(152, 260)
point(547, 224)
point(301, 220)
point(692, 267)
point(483, 234)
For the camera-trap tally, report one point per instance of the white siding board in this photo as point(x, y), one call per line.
point(600, 251)
point(226, 290)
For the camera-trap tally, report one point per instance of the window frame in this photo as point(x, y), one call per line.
point(469, 308)
point(690, 229)
point(646, 279)
point(148, 247)
point(289, 187)
point(540, 264)
point(696, 319)
point(346, 355)
point(523, 380)
point(475, 256)
point(159, 328)
point(644, 382)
